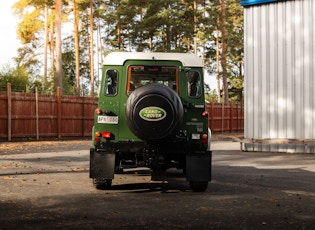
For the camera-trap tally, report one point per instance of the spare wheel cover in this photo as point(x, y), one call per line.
point(154, 112)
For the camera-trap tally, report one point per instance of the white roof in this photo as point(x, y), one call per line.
point(119, 58)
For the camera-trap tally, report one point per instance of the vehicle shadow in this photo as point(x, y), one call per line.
point(163, 187)
point(170, 182)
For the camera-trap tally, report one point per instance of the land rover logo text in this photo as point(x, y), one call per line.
point(152, 114)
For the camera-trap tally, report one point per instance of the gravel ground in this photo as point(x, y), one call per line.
point(16, 147)
point(46, 185)
point(21, 147)
point(51, 189)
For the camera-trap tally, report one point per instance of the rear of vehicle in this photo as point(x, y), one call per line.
point(151, 113)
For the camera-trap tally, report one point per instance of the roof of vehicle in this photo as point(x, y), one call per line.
point(119, 58)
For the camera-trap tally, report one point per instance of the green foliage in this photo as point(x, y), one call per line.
point(68, 65)
point(235, 32)
point(29, 26)
point(136, 25)
point(231, 22)
point(18, 78)
point(210, 95)
point(28, 58)
point(236, 89)
point(39, 85)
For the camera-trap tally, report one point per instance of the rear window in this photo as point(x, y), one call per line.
point(142, 75)
point(193, 84)
point(111, 82)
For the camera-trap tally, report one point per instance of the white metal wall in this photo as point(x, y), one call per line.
point(280, 72)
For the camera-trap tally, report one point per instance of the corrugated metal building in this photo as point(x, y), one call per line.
point(280, 73)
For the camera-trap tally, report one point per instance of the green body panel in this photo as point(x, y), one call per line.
point(194, 122)
point(166, 125)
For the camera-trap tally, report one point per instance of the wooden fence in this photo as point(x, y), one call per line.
point(226, 117)
point(35, 116)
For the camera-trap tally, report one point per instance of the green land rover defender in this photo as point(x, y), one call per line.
point(151, 113)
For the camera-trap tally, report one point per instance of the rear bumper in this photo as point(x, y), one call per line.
point(162, 147)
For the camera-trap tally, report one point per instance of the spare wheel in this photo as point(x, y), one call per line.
point(154, 111)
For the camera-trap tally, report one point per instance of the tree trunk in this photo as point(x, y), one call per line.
point(87, 39)
point(58, 6)
point(100, 64)
point(223, 54)
point(77, 48)
point(218, 67)
point(92, 48)
point(45, 47)
point(195, 27)
point(52, 53)
point(150, 43)
point(118, 37)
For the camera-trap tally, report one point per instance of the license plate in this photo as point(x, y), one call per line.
point(107, 119)
point(195, 136)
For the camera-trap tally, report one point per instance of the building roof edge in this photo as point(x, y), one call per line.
point(256, 2)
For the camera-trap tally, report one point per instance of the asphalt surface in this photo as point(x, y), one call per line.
point(249, 190)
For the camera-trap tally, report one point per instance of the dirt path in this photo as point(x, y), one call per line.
point(43, 146)
point(17, 147)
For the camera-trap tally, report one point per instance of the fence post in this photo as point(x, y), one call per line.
point(222, 116)
point(239, 116)
point(36, 108)
point(212, 113)
point(9, 111)
point(59, 111)
point(83, 117)
point(231, 116)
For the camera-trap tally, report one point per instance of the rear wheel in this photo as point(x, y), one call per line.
point(119, 170)
point(102, 183)
point(198, 186)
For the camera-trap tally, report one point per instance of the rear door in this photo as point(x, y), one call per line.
point(137, 73)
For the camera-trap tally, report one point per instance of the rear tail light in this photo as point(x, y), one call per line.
point(97, 135)
point(204, 138)
point(98, 111)
point(107, 135)
point(204, 114)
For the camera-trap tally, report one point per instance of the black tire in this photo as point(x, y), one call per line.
point(199, 186)
point(164, 99)
point(119, 170)
point(102, 184)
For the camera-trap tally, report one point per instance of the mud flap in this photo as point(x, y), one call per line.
point(102, 164)
point(198, 167)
